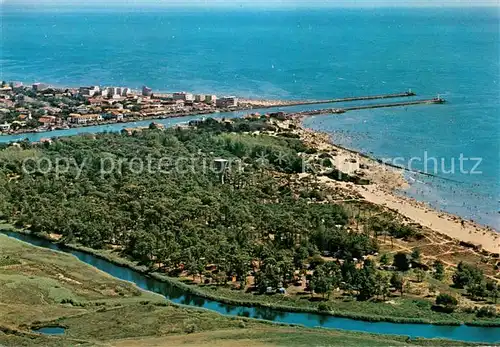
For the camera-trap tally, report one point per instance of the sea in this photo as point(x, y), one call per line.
point(302, 54)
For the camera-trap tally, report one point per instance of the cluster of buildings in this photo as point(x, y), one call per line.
point(108, 92)
point(43, 107)
point(210, 99)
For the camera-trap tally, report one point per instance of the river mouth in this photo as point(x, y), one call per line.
point(486, 335)
point(50, 330)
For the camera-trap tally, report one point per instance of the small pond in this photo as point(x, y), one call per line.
point(50, 330)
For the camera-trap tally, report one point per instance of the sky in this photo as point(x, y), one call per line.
point(251, 3)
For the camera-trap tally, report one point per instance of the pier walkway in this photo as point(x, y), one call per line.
point(437, 100)
point(271, 104)
point(361, 98)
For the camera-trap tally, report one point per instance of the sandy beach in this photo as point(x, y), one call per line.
point(382, 191)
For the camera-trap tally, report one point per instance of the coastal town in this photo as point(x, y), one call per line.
point(41, 107)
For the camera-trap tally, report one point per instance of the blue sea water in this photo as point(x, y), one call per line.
point(296, 54)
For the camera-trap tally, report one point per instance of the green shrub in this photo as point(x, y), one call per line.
point(467, 275)
point(487, 311)
point(446, 302)
point(469, 309)
point(190, 328)
point(323, 306)
point(444, 299)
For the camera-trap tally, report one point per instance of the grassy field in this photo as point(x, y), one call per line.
point(41, 287)
point(413, 307)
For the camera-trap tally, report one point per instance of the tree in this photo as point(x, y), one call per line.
point(142, 246)
point(420, 274)
point(402, 261)
point(385, 259)
point(299, 256)
point(286, 270)
point(367, 285)
point(446, 301)
point(32, 123)
point(316, 261)
point(492, 287)
point(487, 311)
point(416, 255)
point(193, 267)
point(495, 294)
point(438, 270)
point(240, 264)
point(477, 290)
point(376, 225)
point(349, 276)
point(332, 271)
point(467, 275)
point(382, 284)
point(319, 282)
point(268, 276)
point(397, 281)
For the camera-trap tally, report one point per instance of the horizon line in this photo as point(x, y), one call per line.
point(113, 6)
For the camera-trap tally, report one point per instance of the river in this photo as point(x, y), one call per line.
point(169, 122)
point(179, 296)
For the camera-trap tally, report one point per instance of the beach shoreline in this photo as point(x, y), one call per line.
point(383, 190)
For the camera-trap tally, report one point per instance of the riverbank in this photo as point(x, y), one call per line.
point(130, 121)
point(130, 117)
point(386, 182)
point(226, 298)
point(101, 310)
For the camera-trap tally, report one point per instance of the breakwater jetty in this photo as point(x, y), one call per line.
point(285, 103)
point(437, 100)
point(364, 98)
